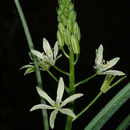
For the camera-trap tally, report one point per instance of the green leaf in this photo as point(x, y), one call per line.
point(124, 124)
point(111, 107)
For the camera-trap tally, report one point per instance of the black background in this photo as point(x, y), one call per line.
point(101, 21)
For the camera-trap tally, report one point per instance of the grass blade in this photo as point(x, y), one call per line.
point(110, 108)
point(31, 46)
point(124, 124)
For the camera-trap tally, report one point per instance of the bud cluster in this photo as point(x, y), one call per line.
point(68, 30)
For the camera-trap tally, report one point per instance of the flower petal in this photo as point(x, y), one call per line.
point(99, 55)
point(111, 63)
point(41, 106)
point(29, 70)
point(45, 96)
point(60, 90)
point(71, 98)
point(27, 66)
point(68, 112)
point(113, 72)
point(47, 48)
point(37, 53)
point(52, 118)
point(55, 50)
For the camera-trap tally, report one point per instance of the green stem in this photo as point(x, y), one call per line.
point(37, 72)
point(90, 104)
point(62, 71)
point(71, 89)
point(65, 52)
point(49, 72)
point(53, 76)
point(85, 80)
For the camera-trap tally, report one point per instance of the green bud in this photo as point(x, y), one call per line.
point(59, 12)
point(67, 36)
point(61, 28)
point(66, 12)
point(63, 20)
point(29, 70)
point(60, 39)
point(71, 6)
point(72, 15)
point(75, 44)
point(76, 30)
point(70, 25)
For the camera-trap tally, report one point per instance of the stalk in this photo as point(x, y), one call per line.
point(37, 71)
point(71, 89)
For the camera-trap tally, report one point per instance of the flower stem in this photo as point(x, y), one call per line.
point(85, 80)
point(37, 72)
point(71, 89)
point(89, 105)
point(62, 71)
point(52, 75)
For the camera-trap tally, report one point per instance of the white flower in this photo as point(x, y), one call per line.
point(49, 56)
point(58, 104)
point(102, 67)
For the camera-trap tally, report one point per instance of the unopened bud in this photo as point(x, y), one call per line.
point(61, 27)
point(75, 44)
point(60, 39)
point(76, 30)
point(71, 6)
point(70, 25)
point(66, 12)
point(63, 20)
point(67, 36)
point(72, 15)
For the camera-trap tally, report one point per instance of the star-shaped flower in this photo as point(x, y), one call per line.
point(49, 56)
point(57, 105)
point(45, 60)
point(104, 68)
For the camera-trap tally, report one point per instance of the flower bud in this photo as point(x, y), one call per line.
point(66, 12)
point(61, 28)
point(70, 25)
point(67, 36)
point(60, 39)
point(72, 15)
point(71, 6)
point(75, 44)
point(63, 20)
point(76, 30)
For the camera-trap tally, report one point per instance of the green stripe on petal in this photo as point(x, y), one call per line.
point(41, 106)
point(55, 50)
point(60, 90)
point(52, 118)
point(47, 48)
point(111, 63)
point(113, 72)
point(99, 55)
point(37, 53)
point(45, 96)
point(71, 98)
point(68, 112)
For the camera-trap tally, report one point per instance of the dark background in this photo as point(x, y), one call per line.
point(101, 21)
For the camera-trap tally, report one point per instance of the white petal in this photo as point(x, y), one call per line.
point(52, 118)
point(60, 90)
point(111, 63)
point(27, 66)
point(113, 72)
point(99, 55)
point(47, 48)
point(71, 98)
point(37, 53)
point(45, 96)
point(41, 106)
point(55, 50)
point(68, 112)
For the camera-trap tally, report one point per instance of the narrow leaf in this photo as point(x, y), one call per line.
point(111, 107)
